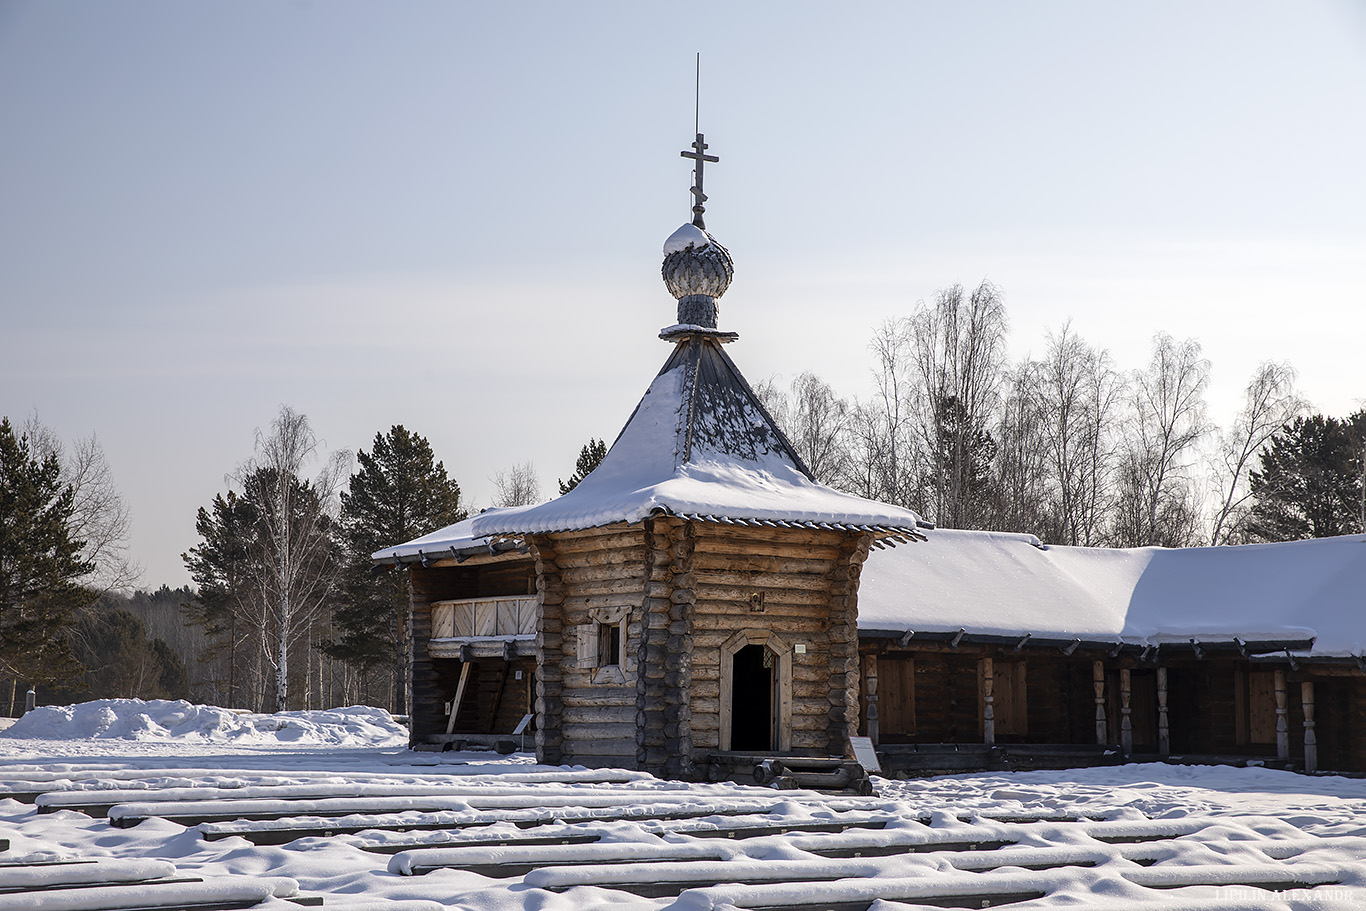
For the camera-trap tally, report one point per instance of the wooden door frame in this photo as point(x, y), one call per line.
point(781, 649)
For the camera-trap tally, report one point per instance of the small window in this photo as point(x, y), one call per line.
point(609, 645)
point(602, 641)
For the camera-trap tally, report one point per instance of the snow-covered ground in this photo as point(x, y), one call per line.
point(1137, 836)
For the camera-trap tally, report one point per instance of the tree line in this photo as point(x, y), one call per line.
point(1069, 446)
point(288, 611)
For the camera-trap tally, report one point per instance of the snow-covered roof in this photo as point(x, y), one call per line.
point(995, 584)
point(454, 540)
point(699, 445)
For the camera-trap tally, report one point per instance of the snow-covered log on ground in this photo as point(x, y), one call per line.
point(1129, 837)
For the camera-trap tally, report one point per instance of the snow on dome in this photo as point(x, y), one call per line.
point(166, 720)
point(685, 238)
point(696, 270)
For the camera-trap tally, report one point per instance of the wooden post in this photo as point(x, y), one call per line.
point(1126, 725)
point(870, 676)
point(988, 702)
point(1282, 722)
point(1311, 742)
point(1098, 684)
point(1164, 734)
point(459, 695)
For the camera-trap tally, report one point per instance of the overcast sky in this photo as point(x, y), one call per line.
point(449, 215)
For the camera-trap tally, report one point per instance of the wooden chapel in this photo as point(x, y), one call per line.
point(694, 596)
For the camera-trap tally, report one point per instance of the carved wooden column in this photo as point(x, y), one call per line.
point(1311, 741)
point(870, 678)
point(1098, 684)
point(988, 702)
point(1164, 734)
point(1126, 725)
point(1282, 719)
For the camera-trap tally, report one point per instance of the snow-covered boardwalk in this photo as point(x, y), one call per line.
point(167, 824)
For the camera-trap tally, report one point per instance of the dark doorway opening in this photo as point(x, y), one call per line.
point(751, 709)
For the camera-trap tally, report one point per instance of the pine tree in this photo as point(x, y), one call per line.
point(221, 569)
point(1310, 483)
point(590, 457)
point(399, 492)
point(40, 564)
point(121, 660)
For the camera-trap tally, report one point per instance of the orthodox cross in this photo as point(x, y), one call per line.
point(699, 198)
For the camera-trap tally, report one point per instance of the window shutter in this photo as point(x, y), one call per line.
point(588, 646)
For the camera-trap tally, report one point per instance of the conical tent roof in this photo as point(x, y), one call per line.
point(699, 445)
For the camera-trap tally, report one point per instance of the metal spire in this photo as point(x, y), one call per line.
point(698, 155)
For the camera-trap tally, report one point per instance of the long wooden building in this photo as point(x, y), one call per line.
point(983, 649)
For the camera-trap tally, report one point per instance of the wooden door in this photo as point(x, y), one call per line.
point(896, 699)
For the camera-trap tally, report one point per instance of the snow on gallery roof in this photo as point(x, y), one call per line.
point(453, 540)
point(1007, 585)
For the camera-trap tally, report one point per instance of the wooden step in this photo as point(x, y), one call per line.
point(221, 893)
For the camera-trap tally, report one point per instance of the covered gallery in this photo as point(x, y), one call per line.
point(997, 640)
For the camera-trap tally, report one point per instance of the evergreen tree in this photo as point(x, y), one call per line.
point(962, 458)
point(41, 567)
point(1310, 483)
point(398, 493)
point(121, 660)
point(590, 457)
point(221, 568)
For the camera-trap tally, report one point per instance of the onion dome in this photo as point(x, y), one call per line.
point(697, 270)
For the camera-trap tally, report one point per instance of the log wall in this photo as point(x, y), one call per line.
point(589, 713)
point(800, 585)
point(664, 742)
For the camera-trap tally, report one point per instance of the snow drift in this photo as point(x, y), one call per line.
point(166, 720)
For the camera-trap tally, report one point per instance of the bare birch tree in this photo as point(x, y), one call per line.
point(297, 544)
point(1168, 419)
point(816, 422)
point(1270, 404)
point(100, 516)
point(1079, 392)
point(518, 486)
point(885, 457)
point(958, 350)
point(1022, 466)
